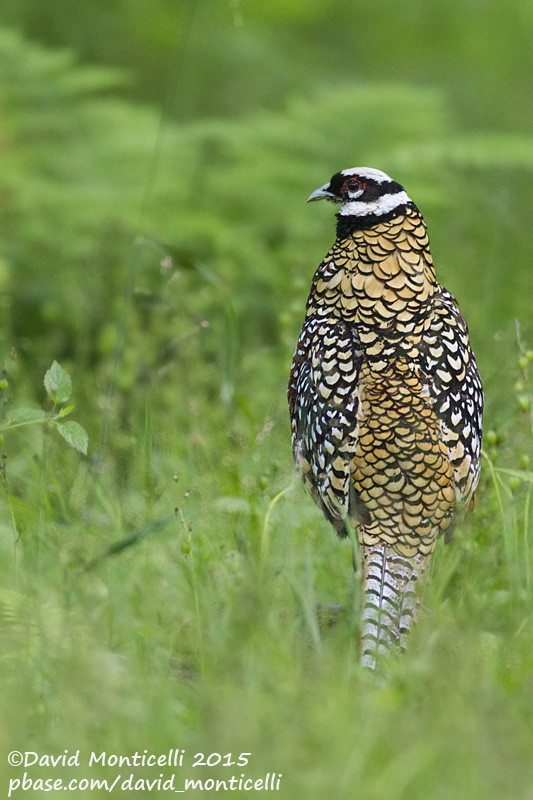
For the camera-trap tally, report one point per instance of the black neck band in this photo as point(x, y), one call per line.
point(346, 225)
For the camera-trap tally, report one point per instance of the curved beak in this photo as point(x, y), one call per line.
point(321, 194)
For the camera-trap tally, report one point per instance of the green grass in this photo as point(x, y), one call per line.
point(200, 633)
point(160, 592)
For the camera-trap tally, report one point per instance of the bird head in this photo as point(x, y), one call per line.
point(363, 192)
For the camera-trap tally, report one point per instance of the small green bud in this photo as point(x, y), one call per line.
point(523, 362)
point(524, 462)
point(523, 402)
point(529, 355)
point(491, 437)
point(514, 483)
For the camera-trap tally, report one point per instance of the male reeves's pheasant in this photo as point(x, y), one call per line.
point(385, 398)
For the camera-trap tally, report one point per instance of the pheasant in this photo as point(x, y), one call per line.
point(385, 400)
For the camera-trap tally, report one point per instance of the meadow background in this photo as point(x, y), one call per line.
point(159, 592)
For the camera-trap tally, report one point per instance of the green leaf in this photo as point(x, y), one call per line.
point(57, 384)
point(515, 474)
point(134, 538)
point(20, 416)
point(74, 434)
point(65, 411)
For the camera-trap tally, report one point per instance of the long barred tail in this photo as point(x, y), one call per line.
point(390, 600)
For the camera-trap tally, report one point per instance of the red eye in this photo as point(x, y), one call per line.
point(354, 185)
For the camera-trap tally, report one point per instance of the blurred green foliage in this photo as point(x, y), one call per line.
point(154, 239)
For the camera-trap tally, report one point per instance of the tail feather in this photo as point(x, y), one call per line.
point(390, 600)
